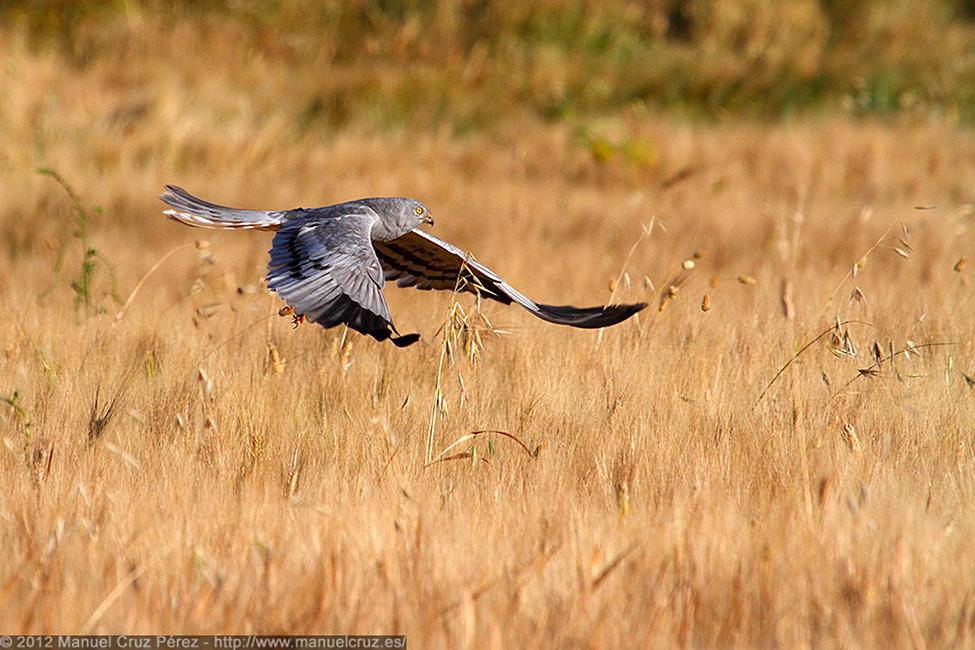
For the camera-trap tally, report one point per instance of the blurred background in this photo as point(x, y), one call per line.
point(468, 64)
point(784, 164)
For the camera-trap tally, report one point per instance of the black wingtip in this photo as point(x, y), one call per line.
point(589, 317)
point(405, 340)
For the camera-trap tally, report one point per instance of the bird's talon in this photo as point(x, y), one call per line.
point(298, 319)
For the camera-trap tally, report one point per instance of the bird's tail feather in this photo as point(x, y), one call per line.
point(194, 211)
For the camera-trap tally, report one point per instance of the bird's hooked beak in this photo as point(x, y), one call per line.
point(427, 218)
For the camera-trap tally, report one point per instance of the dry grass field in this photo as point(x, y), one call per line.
point(192, 464)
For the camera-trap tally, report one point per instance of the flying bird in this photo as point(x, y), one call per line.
point(329, 264)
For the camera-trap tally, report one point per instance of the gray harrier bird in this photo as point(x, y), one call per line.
point(329, 264)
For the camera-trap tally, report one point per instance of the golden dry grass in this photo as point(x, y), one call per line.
point(256, 478)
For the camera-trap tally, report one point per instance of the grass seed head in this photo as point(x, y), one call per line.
point(275, 363)
point(852, 440)
point(345, 353)
point(878, 354)
point(785, 299)
point(825, 489)
point(669, 294)
point(204, 382)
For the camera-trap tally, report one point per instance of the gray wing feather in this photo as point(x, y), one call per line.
point(418, 259)
point(326, 269)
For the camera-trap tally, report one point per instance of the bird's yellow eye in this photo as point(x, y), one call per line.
point(418, 210)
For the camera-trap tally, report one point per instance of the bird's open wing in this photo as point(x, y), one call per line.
point(418, 259)
point(325, 268)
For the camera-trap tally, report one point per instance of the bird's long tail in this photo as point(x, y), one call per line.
point(192, 211)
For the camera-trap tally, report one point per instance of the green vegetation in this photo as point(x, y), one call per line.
point(81, 285)
point(469, 63)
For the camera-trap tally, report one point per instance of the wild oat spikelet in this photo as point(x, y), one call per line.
point(275, 363)
point(960, 264)
point(877, 352)
point(852, 440)
point(623, 499)
point(205, 383)
point(345, 353)
point(39, 458)
point(785, 298)
point(667, 296)
point(706, 303)
point(293, 475)
point(825, 489)
point(747, 279)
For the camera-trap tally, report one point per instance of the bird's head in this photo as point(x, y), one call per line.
point(399, 216)
point(408, 213)
point(418, 213)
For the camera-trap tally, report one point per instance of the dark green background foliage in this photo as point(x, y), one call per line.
point(467, 62)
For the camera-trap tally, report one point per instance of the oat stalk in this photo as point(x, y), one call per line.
point(142, 281)
point(859, 264)
point(805, 347)
point(647, 230)
point(441, 457)
point(459, 285)
point(873, 368)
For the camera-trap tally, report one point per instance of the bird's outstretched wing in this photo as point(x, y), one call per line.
point(418, 259)
point(327, 271)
